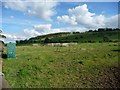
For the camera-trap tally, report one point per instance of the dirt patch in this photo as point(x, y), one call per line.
point(109, 78)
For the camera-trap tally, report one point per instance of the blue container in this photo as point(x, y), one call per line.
point(11, 50)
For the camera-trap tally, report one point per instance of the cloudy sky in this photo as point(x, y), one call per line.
point(22, 20)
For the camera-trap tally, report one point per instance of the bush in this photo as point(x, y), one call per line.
point(81, 36)
point(76, 37)
point(100, 41)
point(115, 41)
point(105, 39)
point(85, 41)
point(46, 40)
point(110, 41)
point(93, 41)
point(90, 41)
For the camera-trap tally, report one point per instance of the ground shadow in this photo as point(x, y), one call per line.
point(4, 56)
point(116, 50)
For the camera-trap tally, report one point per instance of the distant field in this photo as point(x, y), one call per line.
point(86, 65)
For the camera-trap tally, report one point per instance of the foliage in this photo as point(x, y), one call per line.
point(46, 40)
point(3, 36)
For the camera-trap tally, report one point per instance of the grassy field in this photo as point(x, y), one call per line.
point(86, 65)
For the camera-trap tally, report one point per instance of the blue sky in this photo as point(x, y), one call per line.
point(24, 20)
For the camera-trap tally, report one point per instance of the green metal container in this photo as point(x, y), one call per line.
point(11, 50)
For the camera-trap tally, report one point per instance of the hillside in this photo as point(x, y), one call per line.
point(100, 35)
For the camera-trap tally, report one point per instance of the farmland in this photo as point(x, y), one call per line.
point(86, 65)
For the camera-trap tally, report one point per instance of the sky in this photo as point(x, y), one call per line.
point(21, 20)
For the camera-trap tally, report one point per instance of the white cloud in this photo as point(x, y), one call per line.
point(74, 29)
point(12, 37)
point(80, 11)
point(112, 21)
point(12, 17)
point(67, 19)
point(40, 29)
point(42, 9)
point(31, 32)
point(80, 15)
point(28, 21)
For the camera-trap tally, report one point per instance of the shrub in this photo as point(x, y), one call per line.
point(81, 36)
point(85, 41)
point(100, 41)
point(105, 39)
point(76, 37)
point(46, 40)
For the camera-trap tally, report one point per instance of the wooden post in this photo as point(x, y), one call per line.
point(1, 52)
point(3, 83)
point(1, 48)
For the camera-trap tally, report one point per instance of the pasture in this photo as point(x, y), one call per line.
point(86, 65)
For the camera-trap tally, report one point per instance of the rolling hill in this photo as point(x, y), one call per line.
point(100, 35)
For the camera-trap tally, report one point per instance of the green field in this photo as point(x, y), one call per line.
point(85, 65)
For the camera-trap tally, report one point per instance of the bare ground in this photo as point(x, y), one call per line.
point(109, 78)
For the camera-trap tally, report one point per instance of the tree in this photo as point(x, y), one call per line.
point(17, 42)
point(81, 36)
point(90, 31)
point(76, 37)
point(105, 39)
point(109, 29)
point(101, 29)
point(46, 40)
point(2, 35)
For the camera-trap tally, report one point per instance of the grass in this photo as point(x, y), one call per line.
point(79, 66)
